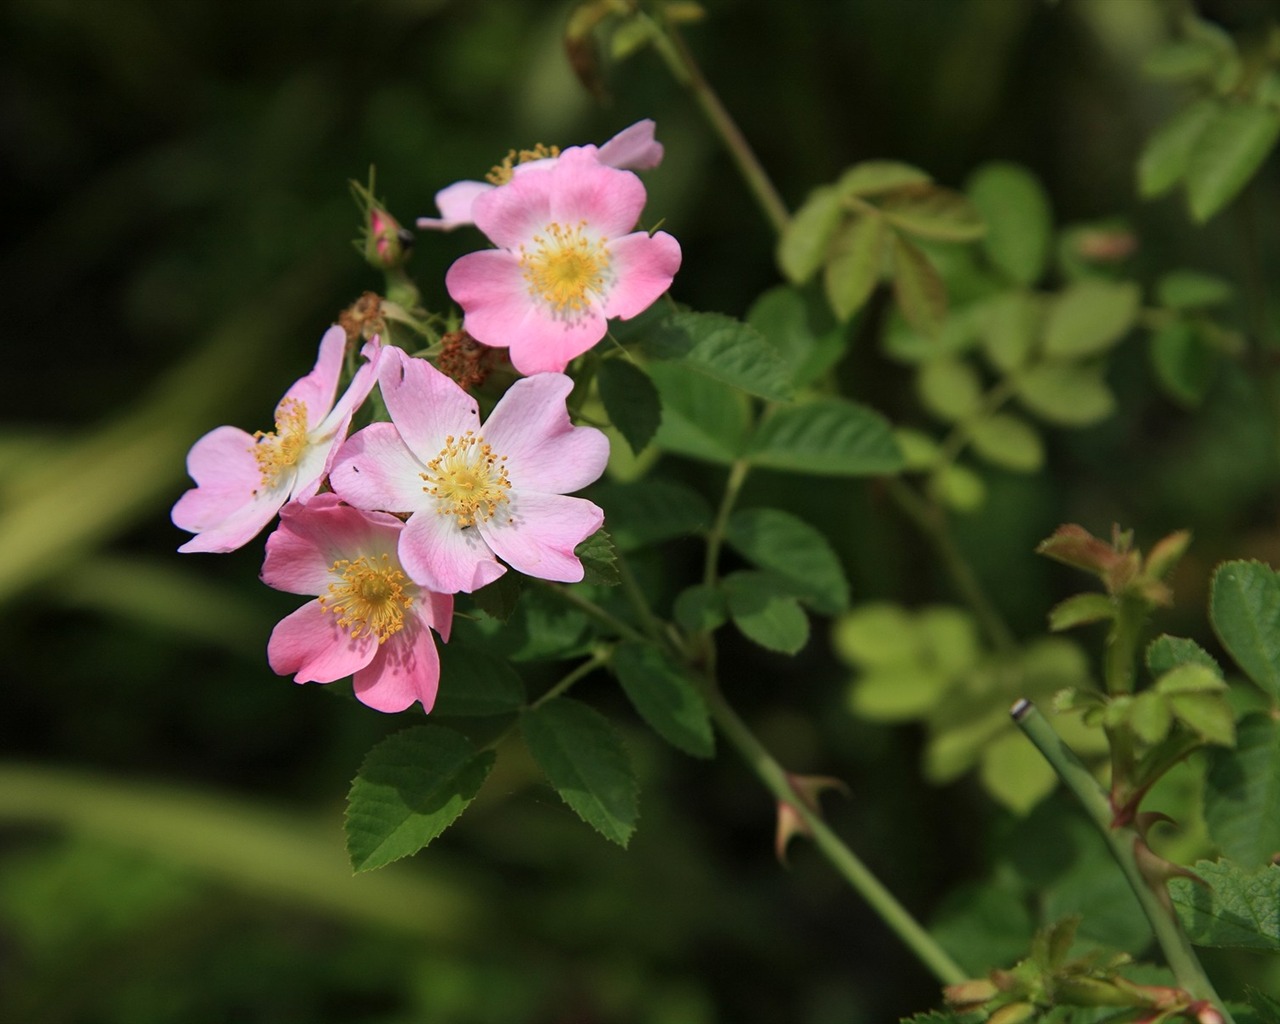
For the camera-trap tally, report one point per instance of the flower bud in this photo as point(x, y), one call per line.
point(384, 244)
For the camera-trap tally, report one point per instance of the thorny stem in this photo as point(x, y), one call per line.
point(1123, 842)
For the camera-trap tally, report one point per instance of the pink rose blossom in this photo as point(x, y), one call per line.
point(633, 148)
point(369, 619)
point(475, 494)
point(568, 261)
point(243, 479)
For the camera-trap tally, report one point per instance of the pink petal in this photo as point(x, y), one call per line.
point(454, 203)
point(548, 346)
point(545, 452)
point(229, 506)
point(317, 389)
point(309, 645)
point(632, 148)
point(441, 556)
point(374, 470)
point(405, 669)
point(539, 537)
point(425, 405)
point(316, 533)
point(583, 189)
point(645, 266)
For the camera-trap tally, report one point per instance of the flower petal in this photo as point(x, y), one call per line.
point(318, 388)
point(315, 533)
point(425, 405)
point(228, 507)
point(583, 189)
point(309, 645)
point(645, 265)
point(441, 556)
point(405, 669)
point(539, 536)
point(633, 148)
point(454, 203)
point(545, 452)
point(375, 470)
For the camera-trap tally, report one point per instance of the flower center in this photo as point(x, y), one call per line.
point(281, 448)
point(370, 599)
point(467, 479)
point(500, 174)
point(565, 268)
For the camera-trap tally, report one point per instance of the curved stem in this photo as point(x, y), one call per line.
point(589, 607)
point(715, 540)
point(597, 659)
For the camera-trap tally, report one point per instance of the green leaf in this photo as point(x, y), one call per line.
point(1227, 152)
point(959, 488)
point(801, 329)
point(1019, 220)
point(650, 511)
point(476, 683)
point(764, 609)
point(498, 599)
point(1066, 394)
point(1236, 909)
point(1190, 289)
point(918, 288)
point(919, 450)
point(1167, 153)
point(1244, 607)
point(791, 548)
point(949, 388)
point(700, 417)
point(1166, 653)
point(631, 401)
point(931, 212)
point(1197, 696)
point(665, 698)
point(1089, 316)
point(1242, 796)
point(828, 437)
point(876, 635)
point(410, 788)
point(897, 693)
point(1013, 772)
point(1081, 610)
point(585, 762)
point(1183, 364)
point(853, 270)
point(1150, 716)
point(876, 177)
point(1009, 327)
point(700, 609)
point(599, 560)
point(802, 249)
point(1008, 441)
point(724, 349)
point(1182, 60)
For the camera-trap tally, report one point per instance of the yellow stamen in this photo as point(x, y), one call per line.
point(500, 174)
point(566, 268)
point(280, 449)
point(370, 599)
point(468, 479)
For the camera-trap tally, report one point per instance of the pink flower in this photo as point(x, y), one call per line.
point(243, 479)
point(565, 263)
point(475, 493)
point(632, 148)
point(368, 619)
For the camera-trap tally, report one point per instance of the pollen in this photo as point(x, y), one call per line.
point(500, 173)
point(566, 269)
point(468, 479)
point(370, 599)
point(281, 448)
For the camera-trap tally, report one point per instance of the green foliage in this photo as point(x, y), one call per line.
point(409, 789)
point(665, 697)
point(701, 417)
point(599, 560)
point(1244, 607)
point(826, 437)
point(764, 607)
point(799, 327)
point(793, 550)
point(1231, 906)
point(1019, 220)
point(1242, 795)
point(1089, 317)
point(631, 401)
point(651, 511)
point(475, 682)
point(723, 349)
point(585, 762)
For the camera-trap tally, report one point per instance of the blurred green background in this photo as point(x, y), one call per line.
point(177, 240)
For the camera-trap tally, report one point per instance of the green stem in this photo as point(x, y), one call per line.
point(596, 660)
point(715, 540)
point(1123, 842)
point(959, 437)
point(592, 609)
point(685, 70)
point(844, 860)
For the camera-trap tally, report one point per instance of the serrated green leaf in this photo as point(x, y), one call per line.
point(498, 599)
point(1165, 157)
point(476, 683)
point(665, 698)
point(1236, 909)
point(1009, 326)
point(700, 609)
point(788, 546)
point(1019, 220)
point(1244, 607)
point(1089, 316)
point(631, 401)
point(959, 488)
point(931, 212)
point(1190, 289)
point(724, 349)
point(650, 511)
point(949, 388)
point(1008, 441)
point(828, 437)
point(1066, 394)
point(599, 560)
point(410, 788)
point(764, 609)
point(1242, 796)
point(918, 288)
point(801, 329)
point(1166, 653)
point(1150, 716)
point(853, 269)
point(802, 249)
point(1227, 152)
point(701, 418)
point(586, 763)
point(1184, 365)
point(876, 177)
point(1080, 610)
